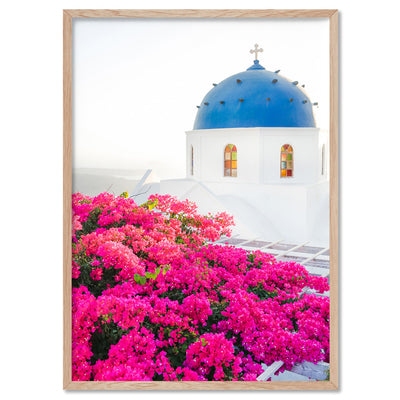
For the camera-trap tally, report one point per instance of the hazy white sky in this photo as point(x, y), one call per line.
point(136, 83)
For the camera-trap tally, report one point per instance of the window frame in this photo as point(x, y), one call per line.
point(231, 151)
point(286, 150)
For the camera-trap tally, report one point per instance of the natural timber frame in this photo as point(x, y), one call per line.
point(332, 15)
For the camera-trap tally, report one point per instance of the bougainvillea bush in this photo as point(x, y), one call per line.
point(154, 299)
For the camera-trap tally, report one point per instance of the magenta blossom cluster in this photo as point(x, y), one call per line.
point(154, 299)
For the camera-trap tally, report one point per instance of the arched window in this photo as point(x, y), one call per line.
point(191, 162)
point(230, 160)
point(286, 161)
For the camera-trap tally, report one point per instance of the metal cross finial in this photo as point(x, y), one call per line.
point(256, 50)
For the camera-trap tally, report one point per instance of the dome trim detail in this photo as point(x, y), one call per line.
point(264, 101)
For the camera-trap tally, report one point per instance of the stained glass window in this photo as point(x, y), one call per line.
point(286, 161)
point(230, 160)
point(192, 163)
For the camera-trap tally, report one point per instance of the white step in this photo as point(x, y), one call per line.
point(290, 376)
point(306, 371)
point(317, 371)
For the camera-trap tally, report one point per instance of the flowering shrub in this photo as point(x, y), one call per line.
point(152, 299)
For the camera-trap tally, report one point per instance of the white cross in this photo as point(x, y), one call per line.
point(256, 50)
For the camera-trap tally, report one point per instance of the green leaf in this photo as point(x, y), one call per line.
point(165, 269)
point(142, 280)
point(150, 204)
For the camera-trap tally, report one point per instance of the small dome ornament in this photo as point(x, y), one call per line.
point(256, 64)
point(256, 51)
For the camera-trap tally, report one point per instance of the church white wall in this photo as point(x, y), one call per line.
point(305, 144)
point(259, 152)
point(317, 212)
point(209, 146)
point(273, 212)
point(293, 208)
point(323, 160)
point(284, 207)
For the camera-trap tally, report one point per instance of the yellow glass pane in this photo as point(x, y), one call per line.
point(283, 148)
point(283, 172)
point(290, 164)
point(290, 148)
point(234, 164)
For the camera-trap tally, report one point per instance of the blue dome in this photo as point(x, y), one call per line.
point(255, 98)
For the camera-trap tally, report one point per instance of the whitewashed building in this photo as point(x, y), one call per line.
point(256, 152)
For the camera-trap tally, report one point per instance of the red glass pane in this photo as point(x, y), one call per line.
point(289, 172)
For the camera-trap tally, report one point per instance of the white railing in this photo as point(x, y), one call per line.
point(293, 251)
point(305, 371)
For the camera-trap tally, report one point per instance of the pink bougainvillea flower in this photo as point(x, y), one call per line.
point(154, 299)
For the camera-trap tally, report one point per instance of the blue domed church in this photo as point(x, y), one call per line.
point(256, 152)
point(255, 98)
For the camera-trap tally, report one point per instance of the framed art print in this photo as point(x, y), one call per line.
point(201, 199)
